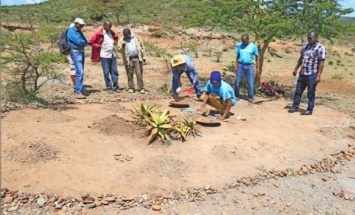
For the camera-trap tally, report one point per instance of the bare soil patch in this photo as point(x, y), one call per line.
point(32, 152)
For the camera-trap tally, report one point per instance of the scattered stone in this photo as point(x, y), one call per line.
point(104, 202)
point(207, 187)
point(58, 206)
point(325, 178)
point(41, 201)
point(261, 193)
point(84, 196)
point(12, 209)
point(333, 170)
point(77, 208)
point(156, 207)
point(288, 204)
point(98, 203)
point(126, 199)
point(110, 199)
point(92, 205)
point(345, 193)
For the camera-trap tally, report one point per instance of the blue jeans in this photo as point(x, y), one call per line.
point(302, 82)
point(176, 79)
point(109, 68)
point(243, 70)
point(78, 58)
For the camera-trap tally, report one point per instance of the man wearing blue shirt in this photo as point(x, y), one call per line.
point(184, 64)
point(77, 42)
point(246, 52)
point(219, 94)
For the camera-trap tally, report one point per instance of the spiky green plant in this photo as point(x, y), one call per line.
point(158, 126)
point(179, 131)
point(141, 112)
point(191, 127)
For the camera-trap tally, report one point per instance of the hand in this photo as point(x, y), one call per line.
point(221, 118)
point(202, 106)
point(294, 72)
point(318, 79)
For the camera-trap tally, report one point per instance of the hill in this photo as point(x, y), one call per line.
point(347, 19)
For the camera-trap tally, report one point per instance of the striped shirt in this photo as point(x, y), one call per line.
point(310, 58)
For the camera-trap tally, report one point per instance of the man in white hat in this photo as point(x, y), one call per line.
point(77, 42)
point(184, 64)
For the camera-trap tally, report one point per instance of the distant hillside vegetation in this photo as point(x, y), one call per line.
point(347, 19)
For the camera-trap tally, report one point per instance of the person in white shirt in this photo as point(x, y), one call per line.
point(102, 43)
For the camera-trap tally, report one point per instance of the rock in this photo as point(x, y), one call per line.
point(110, 199)
point(104, 202)
point(8, 199)
point(146, 204)
point(12, 209)
point(89, 200)
point(41, 201)
point(325, 178)
point(92, 205)
point(207, 187)
point(84, 196)
point(345, 194)
point(58, 206)
point(126, 199)
point(261, 193)
point(288, 204)
point(156, 207)
point(77, 208)
point(333, 170)
point(98, 203)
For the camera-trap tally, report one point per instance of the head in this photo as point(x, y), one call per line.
point(312, 37)
point(178, 62)
point(126, 33)
point(215, 78)
point(245, 39)
point(107, 26)
point(79, 23)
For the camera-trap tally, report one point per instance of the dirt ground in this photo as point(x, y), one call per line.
point(93, 147)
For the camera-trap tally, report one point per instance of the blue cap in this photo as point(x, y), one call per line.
point(215, 76)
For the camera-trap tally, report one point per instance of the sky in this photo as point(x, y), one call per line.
point(344, 3)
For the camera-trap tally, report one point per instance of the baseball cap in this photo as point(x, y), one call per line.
point(80, 21)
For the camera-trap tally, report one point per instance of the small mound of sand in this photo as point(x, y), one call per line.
point(32, 152)
point(167, 167)
point(114, 125)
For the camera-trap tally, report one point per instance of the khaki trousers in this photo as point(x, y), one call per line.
point(135, 66)
point(215, 101)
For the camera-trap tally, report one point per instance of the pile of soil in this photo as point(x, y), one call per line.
point(32, 152)
point(168, 167)
point(114, 125)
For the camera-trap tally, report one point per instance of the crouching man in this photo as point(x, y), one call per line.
point(219, 94)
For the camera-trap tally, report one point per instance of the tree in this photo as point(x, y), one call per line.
point(25, 61)
point(267, 20)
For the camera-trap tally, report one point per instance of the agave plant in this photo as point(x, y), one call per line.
point(191, 128)
point(158, 126)
point(142, 111)
point(180, 131)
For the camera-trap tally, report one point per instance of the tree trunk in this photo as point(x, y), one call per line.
point(262, 51)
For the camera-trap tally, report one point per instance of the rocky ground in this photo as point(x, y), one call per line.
point(325, 187)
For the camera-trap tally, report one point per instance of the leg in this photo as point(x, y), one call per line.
point(251, 80)
point(126, 66)
point(138, 66)
point(175, 81)
point(78, 59)
point(311, 91)
point(114, 73)
point(72, 70)
point(197, 86)
point(105, 64)
point(301, 85)
point(72, 77)
point(238, 79)
point(130, 75)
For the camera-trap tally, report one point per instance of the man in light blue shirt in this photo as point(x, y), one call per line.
point(184, 64)
point(219, 94)
point(246, 52)
point(77, 42)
